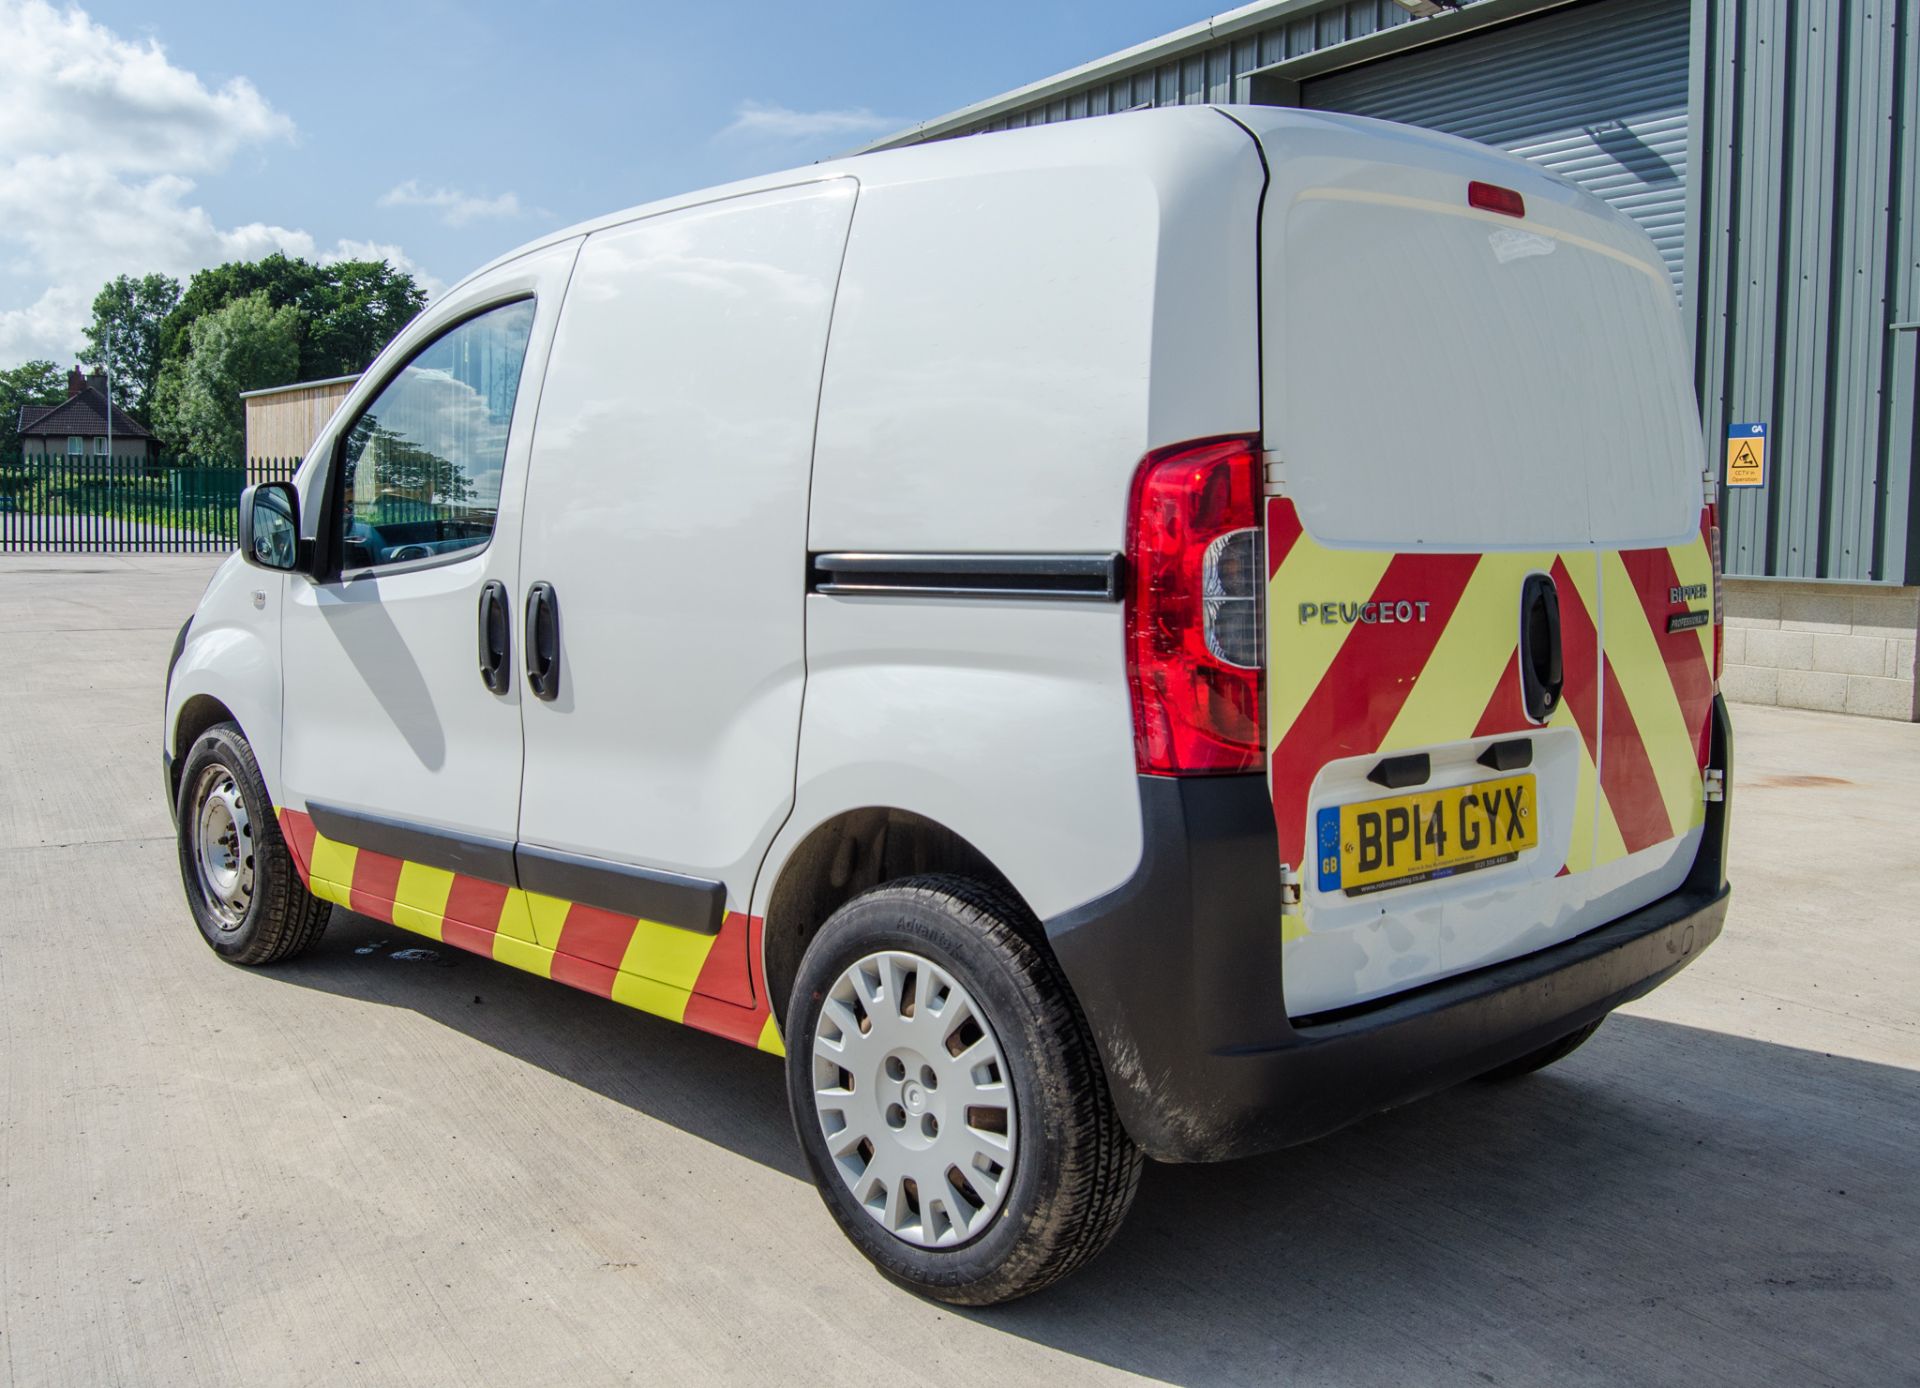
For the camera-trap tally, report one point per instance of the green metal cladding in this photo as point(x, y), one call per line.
point(1808, 256)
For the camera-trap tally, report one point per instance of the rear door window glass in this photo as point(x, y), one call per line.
point(1452, 379)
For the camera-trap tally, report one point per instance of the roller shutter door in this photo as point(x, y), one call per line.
point(1596, 92)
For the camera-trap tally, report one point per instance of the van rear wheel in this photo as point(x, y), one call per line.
point(948, 1096)
point(242, 887)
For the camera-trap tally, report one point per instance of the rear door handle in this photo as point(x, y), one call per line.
point(543, 642)
point(1542, 668)
point(496, 637)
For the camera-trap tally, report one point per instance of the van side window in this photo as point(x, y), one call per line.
point(421, 469)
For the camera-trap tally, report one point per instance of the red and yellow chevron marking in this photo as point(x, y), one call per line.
point(1641, 698)
point(711, 982)
point(1659, 693)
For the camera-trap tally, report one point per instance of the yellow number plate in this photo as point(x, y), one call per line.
point(1426, 834)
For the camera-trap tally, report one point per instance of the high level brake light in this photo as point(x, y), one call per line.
point(1491, 197)
point(1194, 609)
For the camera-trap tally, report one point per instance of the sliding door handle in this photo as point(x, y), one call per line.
point(543, 642)
point(496, 637)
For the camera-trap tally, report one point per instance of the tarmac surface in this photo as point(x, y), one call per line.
point(364, 1169)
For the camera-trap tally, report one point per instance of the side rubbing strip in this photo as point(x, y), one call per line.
point(1085, 577)
point(666, 898)
point(441, 848)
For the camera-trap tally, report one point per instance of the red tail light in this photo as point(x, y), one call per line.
point(1194, 625)
point(1710, 527)
point(1491, 197)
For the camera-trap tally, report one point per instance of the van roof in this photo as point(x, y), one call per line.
point(1155, 134)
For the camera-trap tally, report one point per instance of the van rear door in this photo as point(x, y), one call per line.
point(1484, 509)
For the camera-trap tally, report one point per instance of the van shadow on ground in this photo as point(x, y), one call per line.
point(1669, 1205)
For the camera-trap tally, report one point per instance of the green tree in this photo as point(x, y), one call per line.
point(283, 279)
point(34, 383)
point(356, 313)
point(347, 311)
point(127, 317)
point(246, 345)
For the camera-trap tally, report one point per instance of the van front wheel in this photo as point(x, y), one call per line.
point(242, 887)
point(948, 1096)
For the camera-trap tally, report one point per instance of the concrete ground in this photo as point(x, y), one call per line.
point(357, 1169)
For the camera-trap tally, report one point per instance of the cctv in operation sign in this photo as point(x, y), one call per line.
point(1746, 455)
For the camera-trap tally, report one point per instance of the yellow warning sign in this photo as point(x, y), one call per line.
point(1747, 455)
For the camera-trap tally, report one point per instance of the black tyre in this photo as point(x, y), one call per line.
point(948, 1095)
point(1545, 1056)
point(242, 887)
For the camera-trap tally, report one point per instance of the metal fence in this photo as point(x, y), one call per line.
point(67, 504)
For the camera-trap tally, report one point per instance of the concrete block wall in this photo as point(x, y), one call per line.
point(1845, 648)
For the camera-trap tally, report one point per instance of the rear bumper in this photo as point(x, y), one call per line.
point(1179, 973)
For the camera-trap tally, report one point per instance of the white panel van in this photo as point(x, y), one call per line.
point(1148, 637)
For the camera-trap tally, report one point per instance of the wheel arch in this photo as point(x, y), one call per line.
point(197, 713)
point(227, 667)
point(852, 852)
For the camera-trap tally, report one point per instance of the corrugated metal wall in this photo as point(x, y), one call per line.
point(1809, 253)
point(1805, 252)
point(1212, 73)
point(1597, 93)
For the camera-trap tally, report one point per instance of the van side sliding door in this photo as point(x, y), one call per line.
point(663, 579)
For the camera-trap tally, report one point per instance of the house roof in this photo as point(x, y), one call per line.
point(84, 412)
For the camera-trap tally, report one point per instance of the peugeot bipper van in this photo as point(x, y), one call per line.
point(1155, 636)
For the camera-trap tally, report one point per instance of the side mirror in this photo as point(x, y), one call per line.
point(270, 526)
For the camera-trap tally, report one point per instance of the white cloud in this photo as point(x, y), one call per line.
point(74, 85)
point(763, 120)
point(456, 208)
point(99, 138)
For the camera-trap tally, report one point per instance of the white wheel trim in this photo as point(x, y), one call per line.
point(890, 1023)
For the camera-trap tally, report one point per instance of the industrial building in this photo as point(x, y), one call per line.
point(1769, 149)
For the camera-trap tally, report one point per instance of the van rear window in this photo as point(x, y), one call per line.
point(1459, 380)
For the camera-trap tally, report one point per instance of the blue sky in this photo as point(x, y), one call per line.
point(183, 134)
